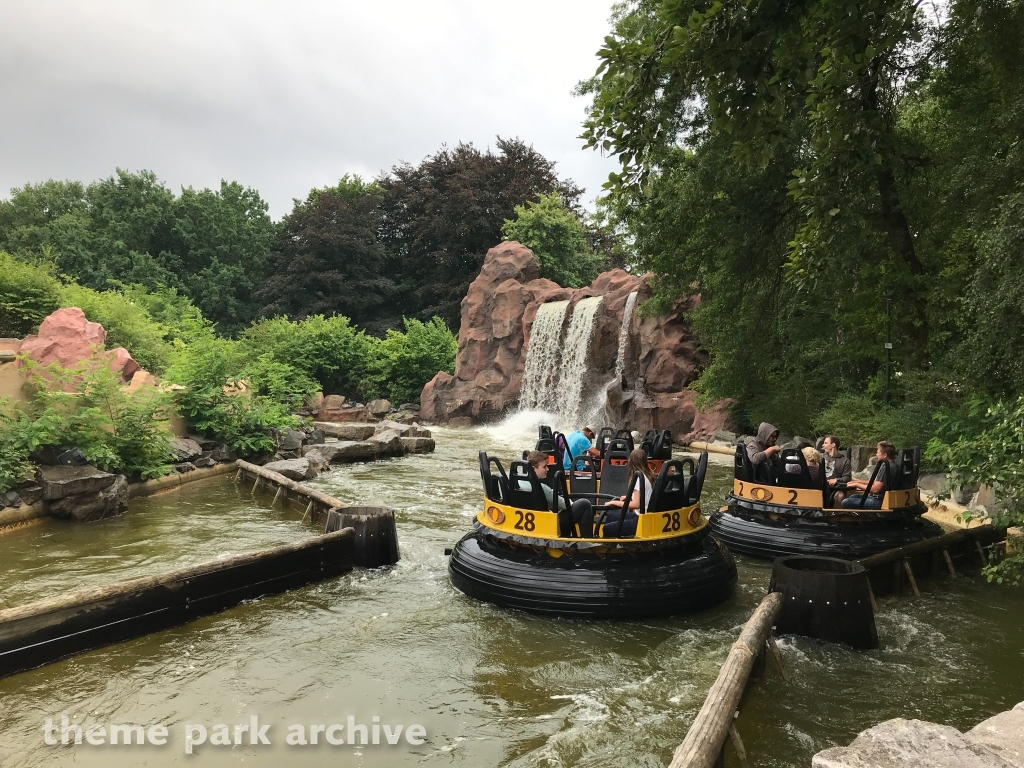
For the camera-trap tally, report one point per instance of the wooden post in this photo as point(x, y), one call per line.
point(309, 508)
point(737, 743)
point(279, 489)
point(238, 476)
point(910, 578)
point(255, 485)
point(706, 736)
point(871, 597)
point(949, 562)
point(777, 654)
point(981, 553)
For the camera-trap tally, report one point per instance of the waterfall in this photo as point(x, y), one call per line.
point(575, 354)
point(627, 318)
point(540, 372)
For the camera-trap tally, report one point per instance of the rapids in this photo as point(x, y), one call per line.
point(492, 687)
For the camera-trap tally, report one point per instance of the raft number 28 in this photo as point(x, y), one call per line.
point(525, 522)
point(671, 522)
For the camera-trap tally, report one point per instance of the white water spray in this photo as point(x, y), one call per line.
point(627, 319)
point(540, 372)
point(575, 355)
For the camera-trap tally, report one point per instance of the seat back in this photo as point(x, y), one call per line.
point(545, 433)
point(663, 445)
point(625, 434)
point(495, 484)
point(547, 446)
point(524, 489)
point(583, 474)
point(695, 485)
point(561, 449)
point(905, 469)
point(670, 486)
point(794, 472)
point(742, 469)
point(603, 438)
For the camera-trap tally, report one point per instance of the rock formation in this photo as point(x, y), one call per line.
point(662, 354)
point(68, 338)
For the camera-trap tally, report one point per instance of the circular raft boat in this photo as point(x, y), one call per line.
point(521, 555)
point(787, 515)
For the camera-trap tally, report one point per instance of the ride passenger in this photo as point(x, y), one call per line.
point(580, 513)
point(762, 450)
point(837, 466)
point(884, 451)
point(813, 460)
point(640, 469)
point(580, 442)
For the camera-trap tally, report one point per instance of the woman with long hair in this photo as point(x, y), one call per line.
point(622, 523)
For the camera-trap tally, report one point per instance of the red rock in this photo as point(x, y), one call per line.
point(67, 337)
point(706, 423)
point(498, 312)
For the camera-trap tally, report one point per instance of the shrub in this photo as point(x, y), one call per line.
point(409, 360)
point(28, 293)
point(127, 324)
point(857, 419)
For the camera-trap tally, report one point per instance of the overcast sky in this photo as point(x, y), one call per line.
point(285, 96)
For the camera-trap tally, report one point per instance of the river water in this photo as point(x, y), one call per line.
point(491, 687)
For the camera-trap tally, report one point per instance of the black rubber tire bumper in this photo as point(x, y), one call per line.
point(688, 578)
point(759, 536)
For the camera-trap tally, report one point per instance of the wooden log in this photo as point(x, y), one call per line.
point(918, 547)
point(259, 472)
point(774, 647)
point(910, 578)
point(704, 740)
point(46, 630)
point(949, 562)
point(376, 541)
point(276, 496)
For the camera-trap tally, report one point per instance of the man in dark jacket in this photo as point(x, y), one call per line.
point(762, 449)
point(837, 467)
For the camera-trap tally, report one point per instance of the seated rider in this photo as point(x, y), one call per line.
point(582, 511)
point(837, 466)
point(640, 469)
point(762, 450)
point(580, 442)
point(813, 461)
point(884, 452)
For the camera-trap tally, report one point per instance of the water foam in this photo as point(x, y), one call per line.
point(576, 354)
point(540, 373)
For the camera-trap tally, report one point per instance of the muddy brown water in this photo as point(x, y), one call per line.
point(491, 687)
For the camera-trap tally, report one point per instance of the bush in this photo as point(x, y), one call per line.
point(88, 407)
point(409, 360)
point(221, 405)
point(127, 324)
point(28, 294)
point(857, 419)
point(328, 350)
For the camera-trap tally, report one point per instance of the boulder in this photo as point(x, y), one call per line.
point(389, 443)
point(184, 466)
point(86, 507)
point(333, 401)
point(379, 408)
point(59, 482)
point(67, 337)
point(291, 440)
point(346, 451)
point(315, 436)
point(204, 462)
point(30, 494)
point(293, 469)
point(387, 424)
point(356, 413)
point(1003, 734)
point(10, 499)
point(186, 449)
point(317, 462)
point(206, 443)
point(418, 444)
point(222, 453)
point(345, 431)
point(899, 743)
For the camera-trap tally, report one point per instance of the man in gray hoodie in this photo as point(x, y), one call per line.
point(763, 448)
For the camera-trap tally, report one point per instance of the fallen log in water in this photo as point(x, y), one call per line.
point(704, 740)
point(44, 631)
point(317, 501)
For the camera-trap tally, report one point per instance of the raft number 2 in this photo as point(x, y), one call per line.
point(525, 522)
point(763, 494)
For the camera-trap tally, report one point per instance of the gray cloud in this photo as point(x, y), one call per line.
point(286, 96)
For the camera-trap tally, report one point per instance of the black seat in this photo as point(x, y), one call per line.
point(663, 446)
point(495, 485)
point(695, 484)
point(583, 475)
point(614, 467)
point(647, 442)
point(625, 434)
point(794, 472)
point(742, 469)
point(561, 449)
point(520, 474)
point(905, 469)
point(546, 445)
point(603, 437)
point(545, 433)
point(670, 486)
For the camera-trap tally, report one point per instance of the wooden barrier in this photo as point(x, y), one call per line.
point(887, 570)
point(704, 740)
point(317, 502)
point(44, 631)
point(376, 541)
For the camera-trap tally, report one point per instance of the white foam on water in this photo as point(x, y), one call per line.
point(540, 372)
point(519, 429)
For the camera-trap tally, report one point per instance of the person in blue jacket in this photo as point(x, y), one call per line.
point(580, 442)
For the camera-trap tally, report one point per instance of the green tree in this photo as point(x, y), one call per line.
point(407, 361)
point(557, 237)
point(27, 295)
